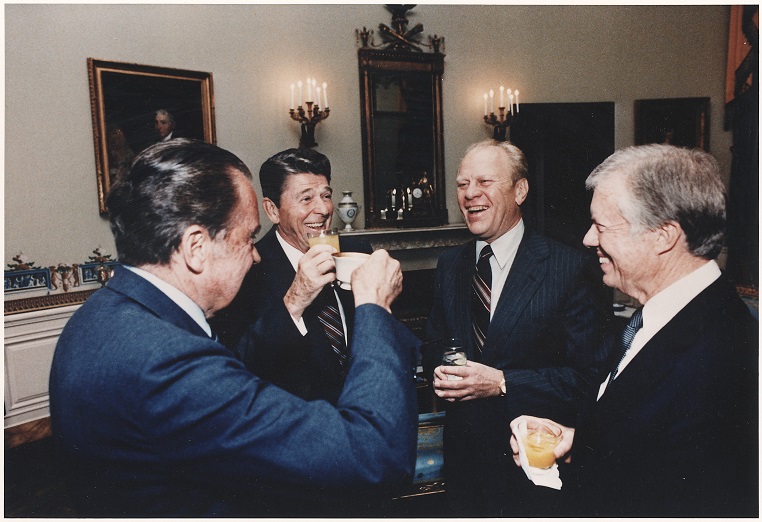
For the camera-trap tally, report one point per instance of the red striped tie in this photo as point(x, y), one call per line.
point(332, 326)
point(482, 295)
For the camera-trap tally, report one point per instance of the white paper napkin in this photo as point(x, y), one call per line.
point(549, 478)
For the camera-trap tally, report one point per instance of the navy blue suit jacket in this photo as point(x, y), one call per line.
point(675, 434)
point(155, 418)
point(273, 347)
point(548, 337)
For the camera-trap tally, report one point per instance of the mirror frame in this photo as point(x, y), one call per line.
point(370, 61)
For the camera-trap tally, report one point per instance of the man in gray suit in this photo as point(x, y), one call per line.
point(532, 324)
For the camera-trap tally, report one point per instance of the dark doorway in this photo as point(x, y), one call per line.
point(563, 143)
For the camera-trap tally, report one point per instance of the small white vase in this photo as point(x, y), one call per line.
point(347, 209)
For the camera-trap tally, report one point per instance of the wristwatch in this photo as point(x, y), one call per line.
point(502, 388)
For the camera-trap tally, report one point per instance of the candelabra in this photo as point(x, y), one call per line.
point(309, 119)
point(313, 115)
point(505, 116)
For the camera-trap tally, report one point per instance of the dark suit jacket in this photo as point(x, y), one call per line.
point(274, 348)
point(547, 335)
point(676, 433)
point(156, 419)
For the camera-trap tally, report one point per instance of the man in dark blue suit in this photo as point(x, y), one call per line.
point(283, 296)
point(539, 347)
point(674, 429)
point(155, 418)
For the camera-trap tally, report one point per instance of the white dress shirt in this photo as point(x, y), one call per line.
point(504, 249)
point(661, 308)
point(294, 255)
point(179, 298)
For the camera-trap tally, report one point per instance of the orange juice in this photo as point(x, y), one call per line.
point(325, 238)
point(539, 446)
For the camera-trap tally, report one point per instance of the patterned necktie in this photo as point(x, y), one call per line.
point(636, 322)
point(481, 297)
point(330, 318)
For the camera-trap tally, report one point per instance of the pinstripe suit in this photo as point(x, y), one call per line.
point(547, 336)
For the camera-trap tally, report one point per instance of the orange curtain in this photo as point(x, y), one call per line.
point(738, 50)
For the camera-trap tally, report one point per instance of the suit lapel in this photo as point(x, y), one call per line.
point(527, 272)
point(464, 274)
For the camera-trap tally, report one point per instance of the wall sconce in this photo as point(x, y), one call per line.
point(501, 121)
point(313, 115)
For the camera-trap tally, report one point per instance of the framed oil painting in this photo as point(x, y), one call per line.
point(683, 122)
point(134, 106)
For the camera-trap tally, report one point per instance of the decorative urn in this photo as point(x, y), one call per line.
point(347, 209)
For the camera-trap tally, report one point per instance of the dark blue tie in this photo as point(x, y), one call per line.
point(636, 322)
point(481, 297)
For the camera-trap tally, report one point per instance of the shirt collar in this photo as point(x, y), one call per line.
point(504, 248)
point(662, 307)
point(292, 253)
point(177, 296)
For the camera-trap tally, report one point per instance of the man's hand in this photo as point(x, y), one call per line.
point(478, 381)
point(378, 281)
point(561, 451)
point(316, 269)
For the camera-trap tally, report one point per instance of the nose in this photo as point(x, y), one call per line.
point(472, 191)
point(591, 237)
point(323, 206)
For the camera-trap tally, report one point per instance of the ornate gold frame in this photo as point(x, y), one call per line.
point(126, 95)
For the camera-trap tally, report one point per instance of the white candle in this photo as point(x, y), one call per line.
point(317, 96)
point(292, 96)
point(325, 95)
point(491, 101)
point(299, 83)
point(502, 104)
point(314, 83)
point(510, 100)
point(517, 101)
point(485, 103)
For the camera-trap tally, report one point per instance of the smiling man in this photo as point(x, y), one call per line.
point(674, 429)
point(532, 324)
point(284, 297)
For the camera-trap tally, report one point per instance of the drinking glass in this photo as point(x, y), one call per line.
point(329, 236)
point(540, 442)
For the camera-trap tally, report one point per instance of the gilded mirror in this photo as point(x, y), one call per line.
point(402, 135)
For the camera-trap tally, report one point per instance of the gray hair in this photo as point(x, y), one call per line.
point(517, 162)
point(667, 183)
point(172, 185)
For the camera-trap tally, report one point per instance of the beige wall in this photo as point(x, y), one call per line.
point(553, 54)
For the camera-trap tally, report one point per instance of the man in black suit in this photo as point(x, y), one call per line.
point(674, 429)
point(536, 347)
point(284, 295)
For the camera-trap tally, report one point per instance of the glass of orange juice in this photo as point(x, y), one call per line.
point(329, 236)
point(540, 442)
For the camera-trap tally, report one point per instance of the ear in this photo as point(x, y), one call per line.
point(271, 210)
point(521, 188)
point(668, 236)
point(195, 248)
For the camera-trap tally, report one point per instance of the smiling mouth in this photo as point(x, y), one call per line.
point(476, 210)
point(315, 226)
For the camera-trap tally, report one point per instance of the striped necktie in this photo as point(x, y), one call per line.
point(333, 328)
point(636, 322)
point(481, 297)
